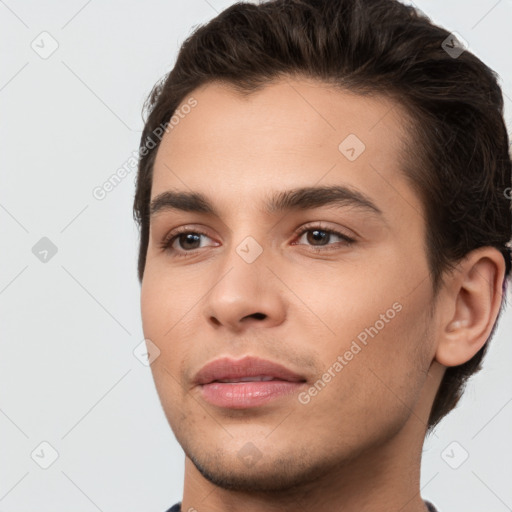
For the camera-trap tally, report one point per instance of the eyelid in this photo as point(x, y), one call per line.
point(320, 226)
point(173, 234)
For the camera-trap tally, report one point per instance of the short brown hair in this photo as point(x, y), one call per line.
point(458, 158)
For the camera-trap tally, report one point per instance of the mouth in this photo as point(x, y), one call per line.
point(245, 383)
point(264, 378)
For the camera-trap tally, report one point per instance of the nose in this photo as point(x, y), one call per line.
point(246, 294)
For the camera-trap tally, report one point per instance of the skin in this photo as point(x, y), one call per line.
point(356, 446)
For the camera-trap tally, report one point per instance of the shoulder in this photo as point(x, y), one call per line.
point(175, 508)
point(429, 505)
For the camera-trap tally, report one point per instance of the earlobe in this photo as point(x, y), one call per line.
point(475, 294)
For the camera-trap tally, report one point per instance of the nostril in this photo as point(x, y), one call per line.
point(259, 316)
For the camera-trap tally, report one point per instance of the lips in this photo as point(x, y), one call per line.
point(247, 369)
point(246, 383)
point(247, 379)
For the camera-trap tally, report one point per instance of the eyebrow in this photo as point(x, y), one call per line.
point(303, 198)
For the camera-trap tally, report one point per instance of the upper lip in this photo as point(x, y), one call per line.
point(227, 368)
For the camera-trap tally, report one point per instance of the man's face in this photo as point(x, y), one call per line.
point(352, 319)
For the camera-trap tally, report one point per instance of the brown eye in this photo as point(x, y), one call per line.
point(319, 237)
point(189, 240)
point(316, 235)
point(184, 242)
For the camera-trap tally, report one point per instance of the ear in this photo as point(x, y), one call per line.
point(470, 306)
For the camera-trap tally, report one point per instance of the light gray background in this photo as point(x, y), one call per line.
point(68, 375)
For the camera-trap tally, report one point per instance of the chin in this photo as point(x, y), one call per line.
point(229, 471)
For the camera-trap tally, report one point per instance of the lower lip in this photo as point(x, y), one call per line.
point(241, 395)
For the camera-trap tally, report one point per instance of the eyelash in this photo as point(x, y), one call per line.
point(169, 239)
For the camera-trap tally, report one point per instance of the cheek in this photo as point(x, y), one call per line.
point(161, 312)
point(170, 320)
point(378, 386)
point(396, 364)
point(152, 310)
point(343, 299)
point(166, 297)
point(358, 297)
point(379, 329)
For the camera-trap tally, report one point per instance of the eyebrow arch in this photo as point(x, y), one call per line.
point(303, 198)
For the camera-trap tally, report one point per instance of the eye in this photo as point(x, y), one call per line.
point(188, 241)
point(319, 237)
point(185, 242)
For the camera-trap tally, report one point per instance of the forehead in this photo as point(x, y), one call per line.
point(291, 133)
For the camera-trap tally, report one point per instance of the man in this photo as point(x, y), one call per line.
point(325, 228)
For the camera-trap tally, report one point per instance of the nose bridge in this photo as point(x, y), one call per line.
point(248, 237)
point(244, 263)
